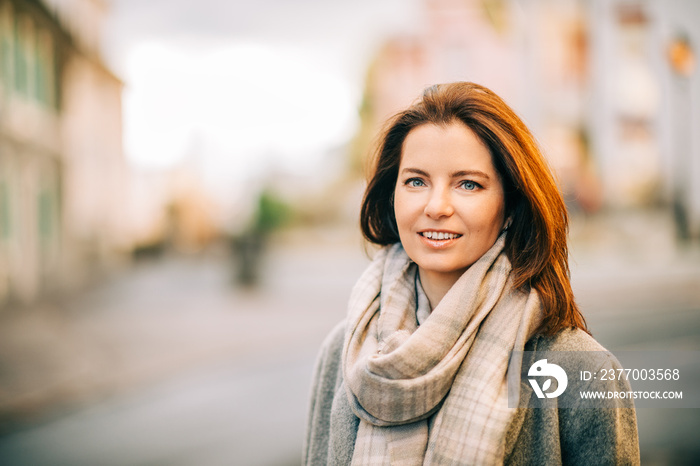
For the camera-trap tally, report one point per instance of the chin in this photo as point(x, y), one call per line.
point(443, 268)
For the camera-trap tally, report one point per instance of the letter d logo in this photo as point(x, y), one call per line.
point(543, 369)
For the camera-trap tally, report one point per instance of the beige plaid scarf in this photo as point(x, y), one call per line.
point(431, 388)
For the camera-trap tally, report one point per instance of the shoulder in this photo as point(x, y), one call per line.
point(332, 425)
point(574, 350)
point(326, 380)
point(566, 340)
point(328, 364)
point(572, 431)
point(333, 343)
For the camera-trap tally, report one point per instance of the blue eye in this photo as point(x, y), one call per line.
point(469, 185)
point(415, 182)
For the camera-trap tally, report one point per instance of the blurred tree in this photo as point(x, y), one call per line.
point(272, 213)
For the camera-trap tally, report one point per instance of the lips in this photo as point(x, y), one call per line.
point(438, 239)
point(439, 235)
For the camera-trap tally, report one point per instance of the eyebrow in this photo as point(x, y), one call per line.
point(457, 174)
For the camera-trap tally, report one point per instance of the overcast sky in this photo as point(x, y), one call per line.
point(244, 83)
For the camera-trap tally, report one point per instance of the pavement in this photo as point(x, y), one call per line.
point(172, 343)
point(626, 267)
point(162, 318)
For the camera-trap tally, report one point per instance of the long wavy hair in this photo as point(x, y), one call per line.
point(536, 240)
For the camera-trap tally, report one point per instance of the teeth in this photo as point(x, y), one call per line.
point(439, 235)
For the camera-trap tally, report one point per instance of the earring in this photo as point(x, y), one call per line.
point(507, 224)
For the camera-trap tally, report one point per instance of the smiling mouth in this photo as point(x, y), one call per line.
point(439, 235)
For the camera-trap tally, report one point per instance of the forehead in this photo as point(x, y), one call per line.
point(454, 144)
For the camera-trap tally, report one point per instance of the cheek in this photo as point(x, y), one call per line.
point(486, 218)
point(401, 208)
point(395, 206)
point(406, 214)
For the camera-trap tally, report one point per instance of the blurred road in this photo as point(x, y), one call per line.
point(173, 365)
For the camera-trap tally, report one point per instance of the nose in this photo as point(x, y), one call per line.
point(439, 204)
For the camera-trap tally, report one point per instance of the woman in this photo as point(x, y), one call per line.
point(473, 267)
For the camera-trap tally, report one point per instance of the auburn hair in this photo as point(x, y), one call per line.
point(536, 240)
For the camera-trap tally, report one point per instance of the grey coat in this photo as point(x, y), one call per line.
point(549, 436)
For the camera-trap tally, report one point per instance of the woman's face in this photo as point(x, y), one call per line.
point(448, 201)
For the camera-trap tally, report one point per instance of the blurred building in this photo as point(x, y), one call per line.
point(609, 88)
point(643, 104)
point(455, 42)
point(61, 164)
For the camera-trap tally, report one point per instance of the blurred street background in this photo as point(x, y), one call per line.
point(180, 185)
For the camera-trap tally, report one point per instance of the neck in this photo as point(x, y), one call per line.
point(436, 285)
